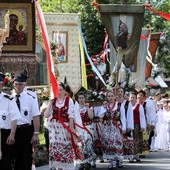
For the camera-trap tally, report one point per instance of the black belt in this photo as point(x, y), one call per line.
point(23, 125)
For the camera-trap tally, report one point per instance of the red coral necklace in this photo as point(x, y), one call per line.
point(111, 107)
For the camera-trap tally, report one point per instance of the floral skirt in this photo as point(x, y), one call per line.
point(61, 152)
point(112, 141)
point(137, 140)
point(145, 142)
point(87, 144)
point(96, 138)
point(128, 145)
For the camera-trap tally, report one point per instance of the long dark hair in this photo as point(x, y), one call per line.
point(80, 93)
point(62, 85)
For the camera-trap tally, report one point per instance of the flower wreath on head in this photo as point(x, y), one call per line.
point(9, 80)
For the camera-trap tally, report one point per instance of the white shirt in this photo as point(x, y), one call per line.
point(28, 108)
point(102, 68)
point(150, 112)
point(8, 111)
point(141, 116)
point(32, 93)
point(129, 117)
point(44, 106)
point(122, 114)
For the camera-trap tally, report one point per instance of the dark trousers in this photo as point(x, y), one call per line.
point(150, 137)
point(23, 148)
point(46, 135)
point(5, 162)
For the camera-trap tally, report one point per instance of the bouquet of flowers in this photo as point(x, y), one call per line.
point(9, 80)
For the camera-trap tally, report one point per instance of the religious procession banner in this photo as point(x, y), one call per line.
point(123, 24)
point(139, 76)
point(153, 45)
point(64, 38)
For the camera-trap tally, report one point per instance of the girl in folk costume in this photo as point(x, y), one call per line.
point(139, 127)
point(63, 149)
point(128, 137)
point(86, 114)
point(112, 129)
point(96, 136)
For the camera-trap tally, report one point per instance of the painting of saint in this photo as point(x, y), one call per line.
point(60, 40)
point(60, 49)
point(122, 36)
point(17, 31)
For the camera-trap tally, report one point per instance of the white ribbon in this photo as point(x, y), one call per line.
point(88, 57)
point(149, 56)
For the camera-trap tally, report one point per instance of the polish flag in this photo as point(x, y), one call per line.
point(53, 81)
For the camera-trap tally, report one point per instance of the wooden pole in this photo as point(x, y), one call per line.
point(61, 4)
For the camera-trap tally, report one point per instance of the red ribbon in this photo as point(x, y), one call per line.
point(84, 127)
point(41, 20)
point(73, 134)
point(162, 14)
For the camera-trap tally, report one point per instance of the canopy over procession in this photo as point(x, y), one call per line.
point(109, 107)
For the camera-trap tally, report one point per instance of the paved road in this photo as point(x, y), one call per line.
point(154, 161)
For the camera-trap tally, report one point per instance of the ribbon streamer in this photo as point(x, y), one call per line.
point(83, 65)
point(53, 81)
point(88, 57)
point(162, 14)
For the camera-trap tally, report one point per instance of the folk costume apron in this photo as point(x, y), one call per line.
point(137, 132)
point(111, 133)
point(87, 136)
point(145, 136)
point(63, 149)
point(128, 141)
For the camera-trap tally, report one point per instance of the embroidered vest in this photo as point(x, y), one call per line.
point(61, 113)
point(136, 114)
point(85, 119)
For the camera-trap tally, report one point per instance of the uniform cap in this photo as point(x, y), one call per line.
point(21, 78)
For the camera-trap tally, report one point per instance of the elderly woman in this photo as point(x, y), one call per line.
point(112, 129)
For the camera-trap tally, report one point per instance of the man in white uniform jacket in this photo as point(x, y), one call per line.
point(26, 134)
point(9, 114)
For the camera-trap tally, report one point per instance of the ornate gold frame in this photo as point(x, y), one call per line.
point(30, 24)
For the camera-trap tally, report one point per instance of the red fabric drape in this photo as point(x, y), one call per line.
point(162, 14)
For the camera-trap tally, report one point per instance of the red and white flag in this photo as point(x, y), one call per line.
point(53, 81)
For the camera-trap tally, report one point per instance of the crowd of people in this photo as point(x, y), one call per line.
point(121, 127)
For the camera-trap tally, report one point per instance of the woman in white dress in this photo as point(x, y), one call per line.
point(63, 148)
point(161, 141)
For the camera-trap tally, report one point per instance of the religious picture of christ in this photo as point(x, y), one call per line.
point(60, 39)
